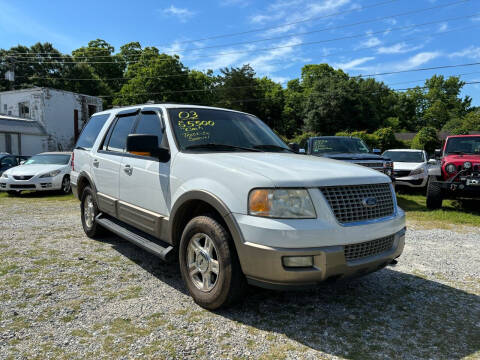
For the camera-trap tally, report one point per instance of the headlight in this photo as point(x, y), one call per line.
point(4, 175)
point(417, 171)
point(388, 164)
point(450, 168)
point(467, 165)
point(50, 174)
point(281, 203)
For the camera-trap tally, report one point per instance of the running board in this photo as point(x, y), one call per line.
point(145, 241)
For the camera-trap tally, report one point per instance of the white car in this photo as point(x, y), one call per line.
point(410, 167)
point(221, 191)
point(42, 172)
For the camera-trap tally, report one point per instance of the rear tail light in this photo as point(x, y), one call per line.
point(73, 162)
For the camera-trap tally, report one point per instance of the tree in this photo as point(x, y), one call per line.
point(270, 108)
point(237, 89)
point(426, 139)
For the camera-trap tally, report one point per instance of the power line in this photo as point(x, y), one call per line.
point(271, 27)
point(288, 35)
point(272, 48)
point(420, 69)
point(33, 77)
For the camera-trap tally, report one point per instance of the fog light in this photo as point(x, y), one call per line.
point(298, 261)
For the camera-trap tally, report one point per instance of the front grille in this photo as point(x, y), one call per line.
point(22, 186)
point(349, 203)
point(368, 248)
point(401, 173)
point(371, 164)
point(24, 177)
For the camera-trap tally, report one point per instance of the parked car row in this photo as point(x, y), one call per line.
point(222, 192)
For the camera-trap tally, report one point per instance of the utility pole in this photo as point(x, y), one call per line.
point(10, 73)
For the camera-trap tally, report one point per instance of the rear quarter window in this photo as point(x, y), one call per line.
point(91, 130)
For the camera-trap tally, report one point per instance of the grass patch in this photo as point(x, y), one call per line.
point(44, 196)
point(451, 214)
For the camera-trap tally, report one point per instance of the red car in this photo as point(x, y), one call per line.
point(459, 174)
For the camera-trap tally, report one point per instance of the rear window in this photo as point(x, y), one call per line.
point(91, 131)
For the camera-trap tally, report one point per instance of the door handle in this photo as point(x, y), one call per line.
point(128, 169)
point(96, 163)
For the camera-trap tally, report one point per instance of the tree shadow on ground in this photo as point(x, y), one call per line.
point(388, 314)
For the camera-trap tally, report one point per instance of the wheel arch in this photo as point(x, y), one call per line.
point(84, 180)
point(194, 203)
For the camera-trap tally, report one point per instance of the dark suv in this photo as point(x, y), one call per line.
point(349, 149)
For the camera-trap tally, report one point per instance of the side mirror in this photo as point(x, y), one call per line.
point(432, 162)
point(146, 145)
point(438, 153)
point(376, 151)
point(22, 162)
point(294, 146)
point(301, 151)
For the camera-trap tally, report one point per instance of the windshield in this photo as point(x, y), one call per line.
point(339, 145)
point(405, 156)
point(220, 130)
point(53, 159)
point(463, 145)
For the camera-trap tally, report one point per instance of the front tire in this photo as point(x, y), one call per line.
point(434, 195)
point(209, 264)
point(89, 212)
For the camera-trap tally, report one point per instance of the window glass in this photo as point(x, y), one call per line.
point(194, 127)
point(463, 145)
point(8, 161)
point(339, 145)
point(122, 129)
point(405, 156)
point(149, 124)
point(53, 159)
point(91, 130)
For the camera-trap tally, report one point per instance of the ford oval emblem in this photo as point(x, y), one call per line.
point(369, 202)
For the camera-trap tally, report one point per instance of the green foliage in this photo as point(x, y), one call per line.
point(323, 100)
point(370, 139)
point(301, 139)
point(426, 139)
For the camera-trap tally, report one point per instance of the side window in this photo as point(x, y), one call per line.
point(122, 128)
point(149, 124)
point(91, 130)
point(9, 161)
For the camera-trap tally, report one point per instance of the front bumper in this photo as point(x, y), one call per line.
point(463, 189)
point(412, 181)
point(262, 243)
point(33, 184)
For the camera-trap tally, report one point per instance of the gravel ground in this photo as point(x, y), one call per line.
point(63, 295)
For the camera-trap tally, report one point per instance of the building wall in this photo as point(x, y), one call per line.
point(54, 109)
point(28, 144)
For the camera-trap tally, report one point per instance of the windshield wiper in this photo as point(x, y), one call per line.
point(271, 147)
point(219, 147)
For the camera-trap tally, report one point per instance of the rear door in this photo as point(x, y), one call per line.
point(108, 158)
point(144, 180)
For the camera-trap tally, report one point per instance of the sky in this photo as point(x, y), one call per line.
point(275, 37)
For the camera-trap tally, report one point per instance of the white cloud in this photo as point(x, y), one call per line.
point(182, 14)
point(174, 48)
point(370, 42)
point(354, 64)
point(399, 48)
point(443, 27)
point(417, 60)
point(472, 52)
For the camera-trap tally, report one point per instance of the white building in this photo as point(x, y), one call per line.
point(61, 113)
point(22, 136)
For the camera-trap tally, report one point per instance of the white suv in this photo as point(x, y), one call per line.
point(221, 190)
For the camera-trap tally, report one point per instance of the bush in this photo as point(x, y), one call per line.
point(370, 139)
point(301, 139)
point(386, 139)
point(426, 139)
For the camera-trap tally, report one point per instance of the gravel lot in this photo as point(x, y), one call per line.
point(63, 295)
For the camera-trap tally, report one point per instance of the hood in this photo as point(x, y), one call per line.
point(290, 170)
point(351, 156)
point(34, 169)
point(406, 165)
point(460, 159)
